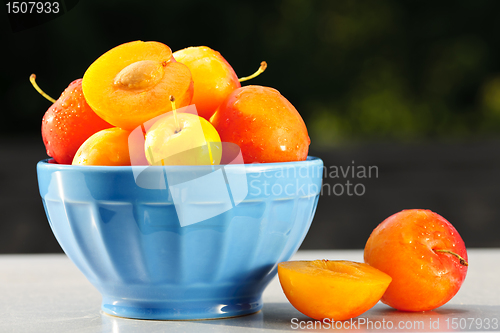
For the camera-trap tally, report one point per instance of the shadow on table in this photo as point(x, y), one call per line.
point(276, 316)
point(273, 316)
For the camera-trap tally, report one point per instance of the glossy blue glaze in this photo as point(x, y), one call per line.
point(129, 243)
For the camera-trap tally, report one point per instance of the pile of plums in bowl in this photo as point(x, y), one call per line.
point(172, 188)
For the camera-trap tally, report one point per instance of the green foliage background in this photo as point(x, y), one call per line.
point(356, 70)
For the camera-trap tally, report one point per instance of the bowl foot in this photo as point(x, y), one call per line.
point(181, 310)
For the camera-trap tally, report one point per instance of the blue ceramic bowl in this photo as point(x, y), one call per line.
point(166, 251)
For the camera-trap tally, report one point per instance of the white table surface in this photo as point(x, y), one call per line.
point(47, 293)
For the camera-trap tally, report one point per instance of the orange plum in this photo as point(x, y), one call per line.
point(213, 77)
point(333, 289)
point(68, 122)
point(109, 147)
point(131, 83)
point(424, 255)
point(264, 124)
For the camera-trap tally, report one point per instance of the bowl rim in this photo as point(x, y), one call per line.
point(310, 161)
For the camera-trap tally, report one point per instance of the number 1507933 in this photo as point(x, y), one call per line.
point(472, 323)
point(32, 7)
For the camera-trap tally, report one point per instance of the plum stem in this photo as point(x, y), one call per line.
point(262, 68)
point(33, 82)
point(172, 102)
point(462, 260)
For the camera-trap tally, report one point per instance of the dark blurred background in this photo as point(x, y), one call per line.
point(412, 87)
